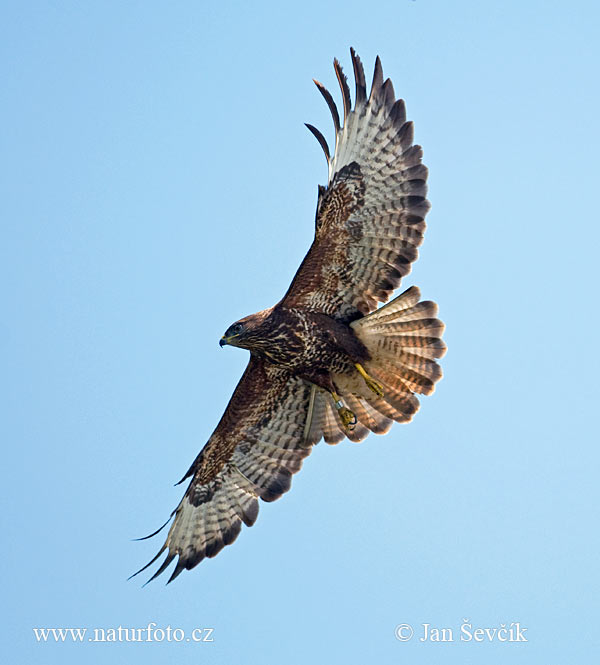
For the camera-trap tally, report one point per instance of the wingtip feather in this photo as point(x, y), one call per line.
point(321, 139)
point(359, 77)
point(377, 79)
point(141, 570)
point(343, 82)
point(330, 103)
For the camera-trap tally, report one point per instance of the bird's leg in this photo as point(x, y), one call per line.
point(324, 381)
point(347, 417)
point(374, 385)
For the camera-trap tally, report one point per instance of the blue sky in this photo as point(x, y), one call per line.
point(158, 184)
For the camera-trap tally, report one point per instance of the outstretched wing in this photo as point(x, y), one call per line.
point(370, 218)
point(259, 443)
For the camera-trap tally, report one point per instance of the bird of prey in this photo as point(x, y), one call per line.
point(325, 361)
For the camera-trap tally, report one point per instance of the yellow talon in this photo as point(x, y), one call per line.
point(374, 385)
point(347, 417)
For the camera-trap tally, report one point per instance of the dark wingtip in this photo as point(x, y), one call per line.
point(359, 77)
point(387, 91)
point(162, 549)
point(163, 567)
point(321, 139)
point(377, 78)
point(343, 81)
point(178, 570)
point(398, 113)
point(157, 530)
point(406, 135)
point(330, 103)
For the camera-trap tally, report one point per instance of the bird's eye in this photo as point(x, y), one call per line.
point(236, 329)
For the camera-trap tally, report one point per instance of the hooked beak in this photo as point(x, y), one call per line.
point(228, 340)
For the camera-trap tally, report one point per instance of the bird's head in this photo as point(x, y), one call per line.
point(247, 333)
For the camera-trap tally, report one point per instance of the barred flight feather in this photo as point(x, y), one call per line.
point(376, 192)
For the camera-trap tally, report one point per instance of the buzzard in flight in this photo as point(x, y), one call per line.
point(324, 361)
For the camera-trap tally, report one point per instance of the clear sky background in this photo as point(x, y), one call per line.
point(158, 184)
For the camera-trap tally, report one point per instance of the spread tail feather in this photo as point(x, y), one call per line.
point(404, 339)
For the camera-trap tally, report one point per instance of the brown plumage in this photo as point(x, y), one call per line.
point(325, 362)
